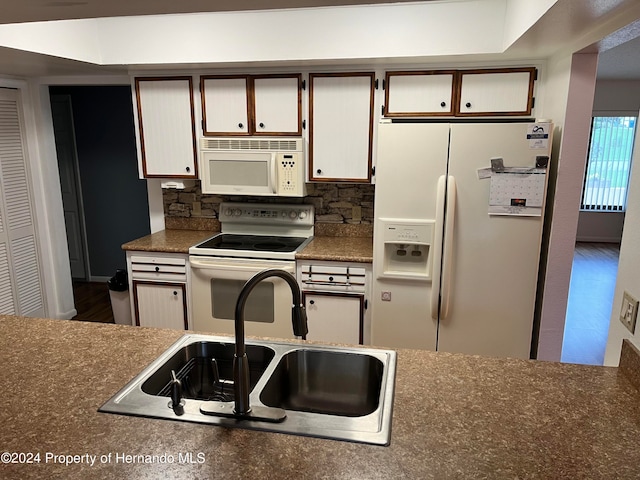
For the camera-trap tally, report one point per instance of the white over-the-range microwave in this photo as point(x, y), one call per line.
point(267, 166)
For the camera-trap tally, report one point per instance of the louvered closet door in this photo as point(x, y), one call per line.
point(20, 284)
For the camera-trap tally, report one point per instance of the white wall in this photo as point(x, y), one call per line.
point(628, 265)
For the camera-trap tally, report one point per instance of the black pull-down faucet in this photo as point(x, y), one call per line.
point(241, 382)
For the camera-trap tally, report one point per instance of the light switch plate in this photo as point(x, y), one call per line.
point(629, 311)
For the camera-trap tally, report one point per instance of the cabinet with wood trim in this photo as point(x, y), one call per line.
point(158, 287)
point(166, 127)
point(424, 93)
point(461, 93)
point(251, 104)
point(490, 92)
point(336, 299)
point(341, 126)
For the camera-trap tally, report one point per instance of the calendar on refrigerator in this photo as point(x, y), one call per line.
point(517, 191)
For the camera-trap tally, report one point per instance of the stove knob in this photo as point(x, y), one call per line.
point(293, 215)
point(237, 212)
point(228, 212)
point(284, 214)
point(302, 215)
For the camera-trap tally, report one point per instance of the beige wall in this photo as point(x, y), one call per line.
point(572, 84)
point(600, 227)
point(617, 97)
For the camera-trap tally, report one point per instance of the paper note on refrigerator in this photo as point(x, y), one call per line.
point(517, 191)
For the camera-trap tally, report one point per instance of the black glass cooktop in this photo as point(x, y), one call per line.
point(265, 243)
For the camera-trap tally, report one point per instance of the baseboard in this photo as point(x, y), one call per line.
point(598, 239)
point(98, 279)
point(67, 315)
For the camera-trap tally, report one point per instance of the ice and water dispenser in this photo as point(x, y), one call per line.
point(407, 249)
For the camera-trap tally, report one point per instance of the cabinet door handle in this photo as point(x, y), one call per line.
point(311, 302)
point(175, 293)
point(188, 169)
point(468, 104)
point(443, 104)
point(318, 171)
point(240, 125)
point(261, 125)
point(157, 269)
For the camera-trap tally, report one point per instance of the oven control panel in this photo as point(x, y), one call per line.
point(272, 214)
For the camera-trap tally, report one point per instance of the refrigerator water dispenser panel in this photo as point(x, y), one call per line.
point(407, 249)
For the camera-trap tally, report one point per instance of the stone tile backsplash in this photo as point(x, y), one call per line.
point(334, 203)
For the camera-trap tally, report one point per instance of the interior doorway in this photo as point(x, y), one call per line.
point(105, 203)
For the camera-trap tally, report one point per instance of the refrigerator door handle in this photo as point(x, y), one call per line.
point(437, 247)
point(447, 253)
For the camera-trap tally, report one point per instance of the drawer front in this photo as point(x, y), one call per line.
point(145, 267)
point(158, 260)
point(168, 269)
point(333, 277)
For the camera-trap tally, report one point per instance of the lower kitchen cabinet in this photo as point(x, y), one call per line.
point(160, 304)
point(334, 317)
point(335, 296)
point(158, 287)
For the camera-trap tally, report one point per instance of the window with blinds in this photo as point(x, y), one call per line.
point(609, 163)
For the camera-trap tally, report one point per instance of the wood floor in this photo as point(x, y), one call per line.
point(92, 302)
point(593, 281)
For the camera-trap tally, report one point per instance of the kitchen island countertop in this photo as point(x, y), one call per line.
point(455, 416)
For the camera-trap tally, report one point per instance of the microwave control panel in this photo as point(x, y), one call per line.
point(290, 174)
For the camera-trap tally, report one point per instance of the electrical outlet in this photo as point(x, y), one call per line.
point(629, 311)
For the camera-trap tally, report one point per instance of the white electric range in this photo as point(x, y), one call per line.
point(253, 237)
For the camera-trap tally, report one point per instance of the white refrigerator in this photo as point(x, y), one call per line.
point(448, 274)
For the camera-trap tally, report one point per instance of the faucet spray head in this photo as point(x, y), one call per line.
point(299, 321)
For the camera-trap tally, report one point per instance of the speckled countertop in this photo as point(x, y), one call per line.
point(338, 249)
point(168, 241)
point(455, 416)
point(341, 249)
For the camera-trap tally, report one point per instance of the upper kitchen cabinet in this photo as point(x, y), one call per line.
point(490, 92)
point(460, 93)
point(225, 105)
point(166, 127)
point(341, 126)
point(417, 94)
point(251, 105)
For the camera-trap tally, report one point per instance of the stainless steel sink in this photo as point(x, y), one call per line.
point(340, 393)
point(206, 369)
point(327, 382)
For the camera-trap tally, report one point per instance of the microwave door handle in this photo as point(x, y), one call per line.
point(273, 181)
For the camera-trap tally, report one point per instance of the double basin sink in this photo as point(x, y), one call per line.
point(331, 392)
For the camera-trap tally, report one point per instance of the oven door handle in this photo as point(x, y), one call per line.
point(256, 267)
